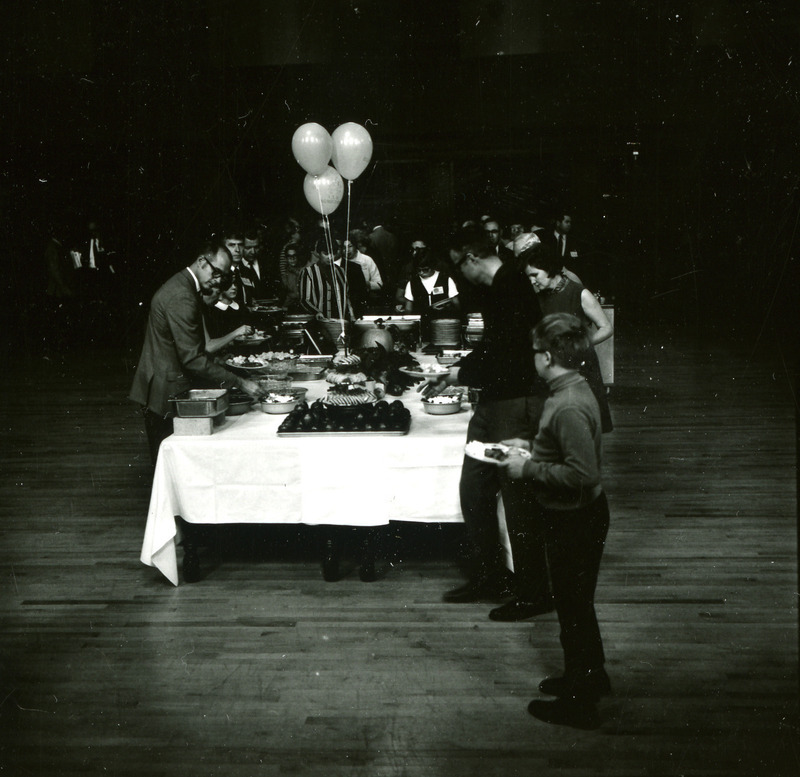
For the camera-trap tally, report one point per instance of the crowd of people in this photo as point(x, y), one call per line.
point(535, 375)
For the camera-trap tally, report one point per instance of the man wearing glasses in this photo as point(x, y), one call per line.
point(511, 396)
point(173, 356)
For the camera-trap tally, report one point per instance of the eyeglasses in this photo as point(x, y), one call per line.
point(216, 273)
point(539, 350)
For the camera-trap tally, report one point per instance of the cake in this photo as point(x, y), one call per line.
point(348, 384)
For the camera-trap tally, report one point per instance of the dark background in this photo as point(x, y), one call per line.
point(669, 129)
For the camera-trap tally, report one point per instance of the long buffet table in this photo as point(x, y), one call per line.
point(245, 473)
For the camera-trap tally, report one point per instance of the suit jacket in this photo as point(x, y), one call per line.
point(254, 288)
point(173, 356)
point(572, 256)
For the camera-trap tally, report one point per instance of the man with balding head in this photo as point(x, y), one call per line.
point(173, 356)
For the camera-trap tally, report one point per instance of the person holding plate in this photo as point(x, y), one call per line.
point(565, 466)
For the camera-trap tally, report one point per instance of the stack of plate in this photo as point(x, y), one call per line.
point(446, 332)
point(473, 331)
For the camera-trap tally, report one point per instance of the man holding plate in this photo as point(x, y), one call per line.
point(511, 397)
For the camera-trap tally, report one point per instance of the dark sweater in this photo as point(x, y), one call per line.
point(567, 449)
point(502, 364)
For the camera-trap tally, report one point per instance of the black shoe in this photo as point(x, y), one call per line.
point(591, 686)
point(479, 588)
point(519, 611)
point(566, 712)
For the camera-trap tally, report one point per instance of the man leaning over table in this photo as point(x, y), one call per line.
point(173, 356)
point(511, 397)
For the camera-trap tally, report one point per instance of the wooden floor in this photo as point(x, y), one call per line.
point(262, 668)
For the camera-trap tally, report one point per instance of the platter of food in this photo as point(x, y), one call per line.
point(426, 371)
point(254, 339)
point(280, 402)
point(493, 452)
point(320, 420)
point(268, 361)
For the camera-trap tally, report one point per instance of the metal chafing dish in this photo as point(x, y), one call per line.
point(200, 403)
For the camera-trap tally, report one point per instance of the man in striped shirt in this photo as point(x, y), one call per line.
point(323, 286)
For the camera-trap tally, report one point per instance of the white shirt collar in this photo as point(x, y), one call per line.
point(196, 282)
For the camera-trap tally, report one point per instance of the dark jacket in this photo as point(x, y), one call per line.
point(173, 356)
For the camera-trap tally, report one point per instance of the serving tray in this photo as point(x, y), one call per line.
point(374, 433)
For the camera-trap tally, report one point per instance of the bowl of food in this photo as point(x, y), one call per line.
point(284, 401)
point(239, 403)
point(442, 404)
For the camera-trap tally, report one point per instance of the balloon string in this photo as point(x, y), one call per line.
point(346, 241)
point(326, 229)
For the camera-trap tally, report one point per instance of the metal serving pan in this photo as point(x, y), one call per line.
point(200, 403)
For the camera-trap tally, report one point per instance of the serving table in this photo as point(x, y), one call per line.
point(245, 473)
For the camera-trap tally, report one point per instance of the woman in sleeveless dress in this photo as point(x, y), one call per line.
point(559, 292)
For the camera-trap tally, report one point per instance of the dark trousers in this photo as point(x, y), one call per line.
point(158, 429)
point(493, 421)
point(575, 540)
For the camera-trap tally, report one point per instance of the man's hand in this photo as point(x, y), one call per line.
point(436, 384)
point(518, 442)
point(251, 387)
point(514, 465)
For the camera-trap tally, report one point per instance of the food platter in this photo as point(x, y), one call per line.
point(251, 365)
point(251, 339)
point(350, 433)
point(434, 371)
point(478, 450)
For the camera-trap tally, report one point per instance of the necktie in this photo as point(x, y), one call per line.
point(563, 241)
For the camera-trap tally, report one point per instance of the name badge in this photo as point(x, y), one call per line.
point(438, 290)
point(573, 254)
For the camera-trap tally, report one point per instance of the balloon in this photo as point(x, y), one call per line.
point(312, 146)
point(324, 192)
point(352, 150)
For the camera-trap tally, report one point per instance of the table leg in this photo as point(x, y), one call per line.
point(191, 558)
point(331, 555)
point(369, 550)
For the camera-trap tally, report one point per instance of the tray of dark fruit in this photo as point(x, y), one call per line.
point(381, 418)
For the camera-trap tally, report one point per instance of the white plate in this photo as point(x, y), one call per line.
point(420, 374)
point(476, 450)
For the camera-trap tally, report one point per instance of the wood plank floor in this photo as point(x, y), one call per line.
point(262, 668)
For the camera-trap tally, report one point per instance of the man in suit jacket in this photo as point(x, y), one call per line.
point(93, 264)
point(567, 248)
point(173, 356)
point(494, 233)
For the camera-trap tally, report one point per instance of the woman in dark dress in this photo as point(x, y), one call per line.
point(559, 293)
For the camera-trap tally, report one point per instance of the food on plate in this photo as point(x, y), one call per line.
point(495, 453)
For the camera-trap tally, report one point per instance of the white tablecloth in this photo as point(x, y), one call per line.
point(245, 473)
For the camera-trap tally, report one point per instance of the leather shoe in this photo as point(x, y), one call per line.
point(479, 588)
point(519, 611)
point(591, 686)
point(566, 712)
